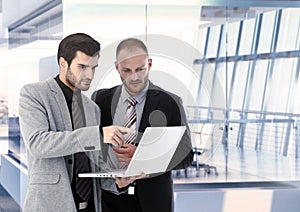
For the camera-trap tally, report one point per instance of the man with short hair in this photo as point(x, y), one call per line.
point(60, 127)
point(149, 105)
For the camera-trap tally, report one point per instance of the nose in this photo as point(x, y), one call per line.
point(134, 76)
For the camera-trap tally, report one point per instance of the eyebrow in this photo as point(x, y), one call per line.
point(81, 64)
point(140, 67)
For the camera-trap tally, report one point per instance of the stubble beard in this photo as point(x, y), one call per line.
point(132, 90)
point(70, 78)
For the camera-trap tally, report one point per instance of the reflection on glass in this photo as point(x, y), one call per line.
point(262, 88)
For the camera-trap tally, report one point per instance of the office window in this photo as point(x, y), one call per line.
point(280, 85)
point(213, 41)
point(231, 30)
point(223, 80)
point(296, 94)
point(266, 32)
point(258, 84)
point(206, 86)
point(294, 86)
point(247, 37)
point(289, 34)
point(240, 85)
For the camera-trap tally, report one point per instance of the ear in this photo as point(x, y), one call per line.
point(117, 66)
point(63, 63)
point(149, 63)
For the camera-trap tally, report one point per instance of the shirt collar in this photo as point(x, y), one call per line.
point(139, 98)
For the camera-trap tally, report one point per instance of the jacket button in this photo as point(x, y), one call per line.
point(70, 161)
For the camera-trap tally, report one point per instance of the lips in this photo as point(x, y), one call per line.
point(87, 82)
point(135, 83)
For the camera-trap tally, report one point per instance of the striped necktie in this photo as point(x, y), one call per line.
point(130, 119)
point(83, 185)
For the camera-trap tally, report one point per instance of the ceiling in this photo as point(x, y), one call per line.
point(45, 23)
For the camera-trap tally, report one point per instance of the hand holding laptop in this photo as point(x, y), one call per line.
point(125, 181)
point(115, 134)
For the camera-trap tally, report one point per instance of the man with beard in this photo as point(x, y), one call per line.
point(138, 103)
point(62, 133)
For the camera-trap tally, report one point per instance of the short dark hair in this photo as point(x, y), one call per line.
point(131, 44)
point(77, 42)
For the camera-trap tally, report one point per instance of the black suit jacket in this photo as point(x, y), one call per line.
point(161, 108)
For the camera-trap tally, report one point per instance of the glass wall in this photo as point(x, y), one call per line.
point(259, 76)
point(235, 65)
point(253, 54)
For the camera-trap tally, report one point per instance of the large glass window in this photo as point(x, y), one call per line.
point(266, 32)
point(213, 41)
point(289, 33)
point(239, 85)
point(201, 41)
point(198, 52)
point(258, 85)
point(247, 36)
point(229, 39)
point(280, 85)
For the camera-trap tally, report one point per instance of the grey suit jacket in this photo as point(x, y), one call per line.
point(47, 132)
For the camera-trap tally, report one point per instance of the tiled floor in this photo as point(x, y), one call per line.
point(251, 181)
point(245, 166)
point(245, 169)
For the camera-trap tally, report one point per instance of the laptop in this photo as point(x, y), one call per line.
point(153, 154)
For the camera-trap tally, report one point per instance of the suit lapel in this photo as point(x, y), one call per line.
point(114, 99)
point(60, 100)
point(151, 104)
point(61, 103)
